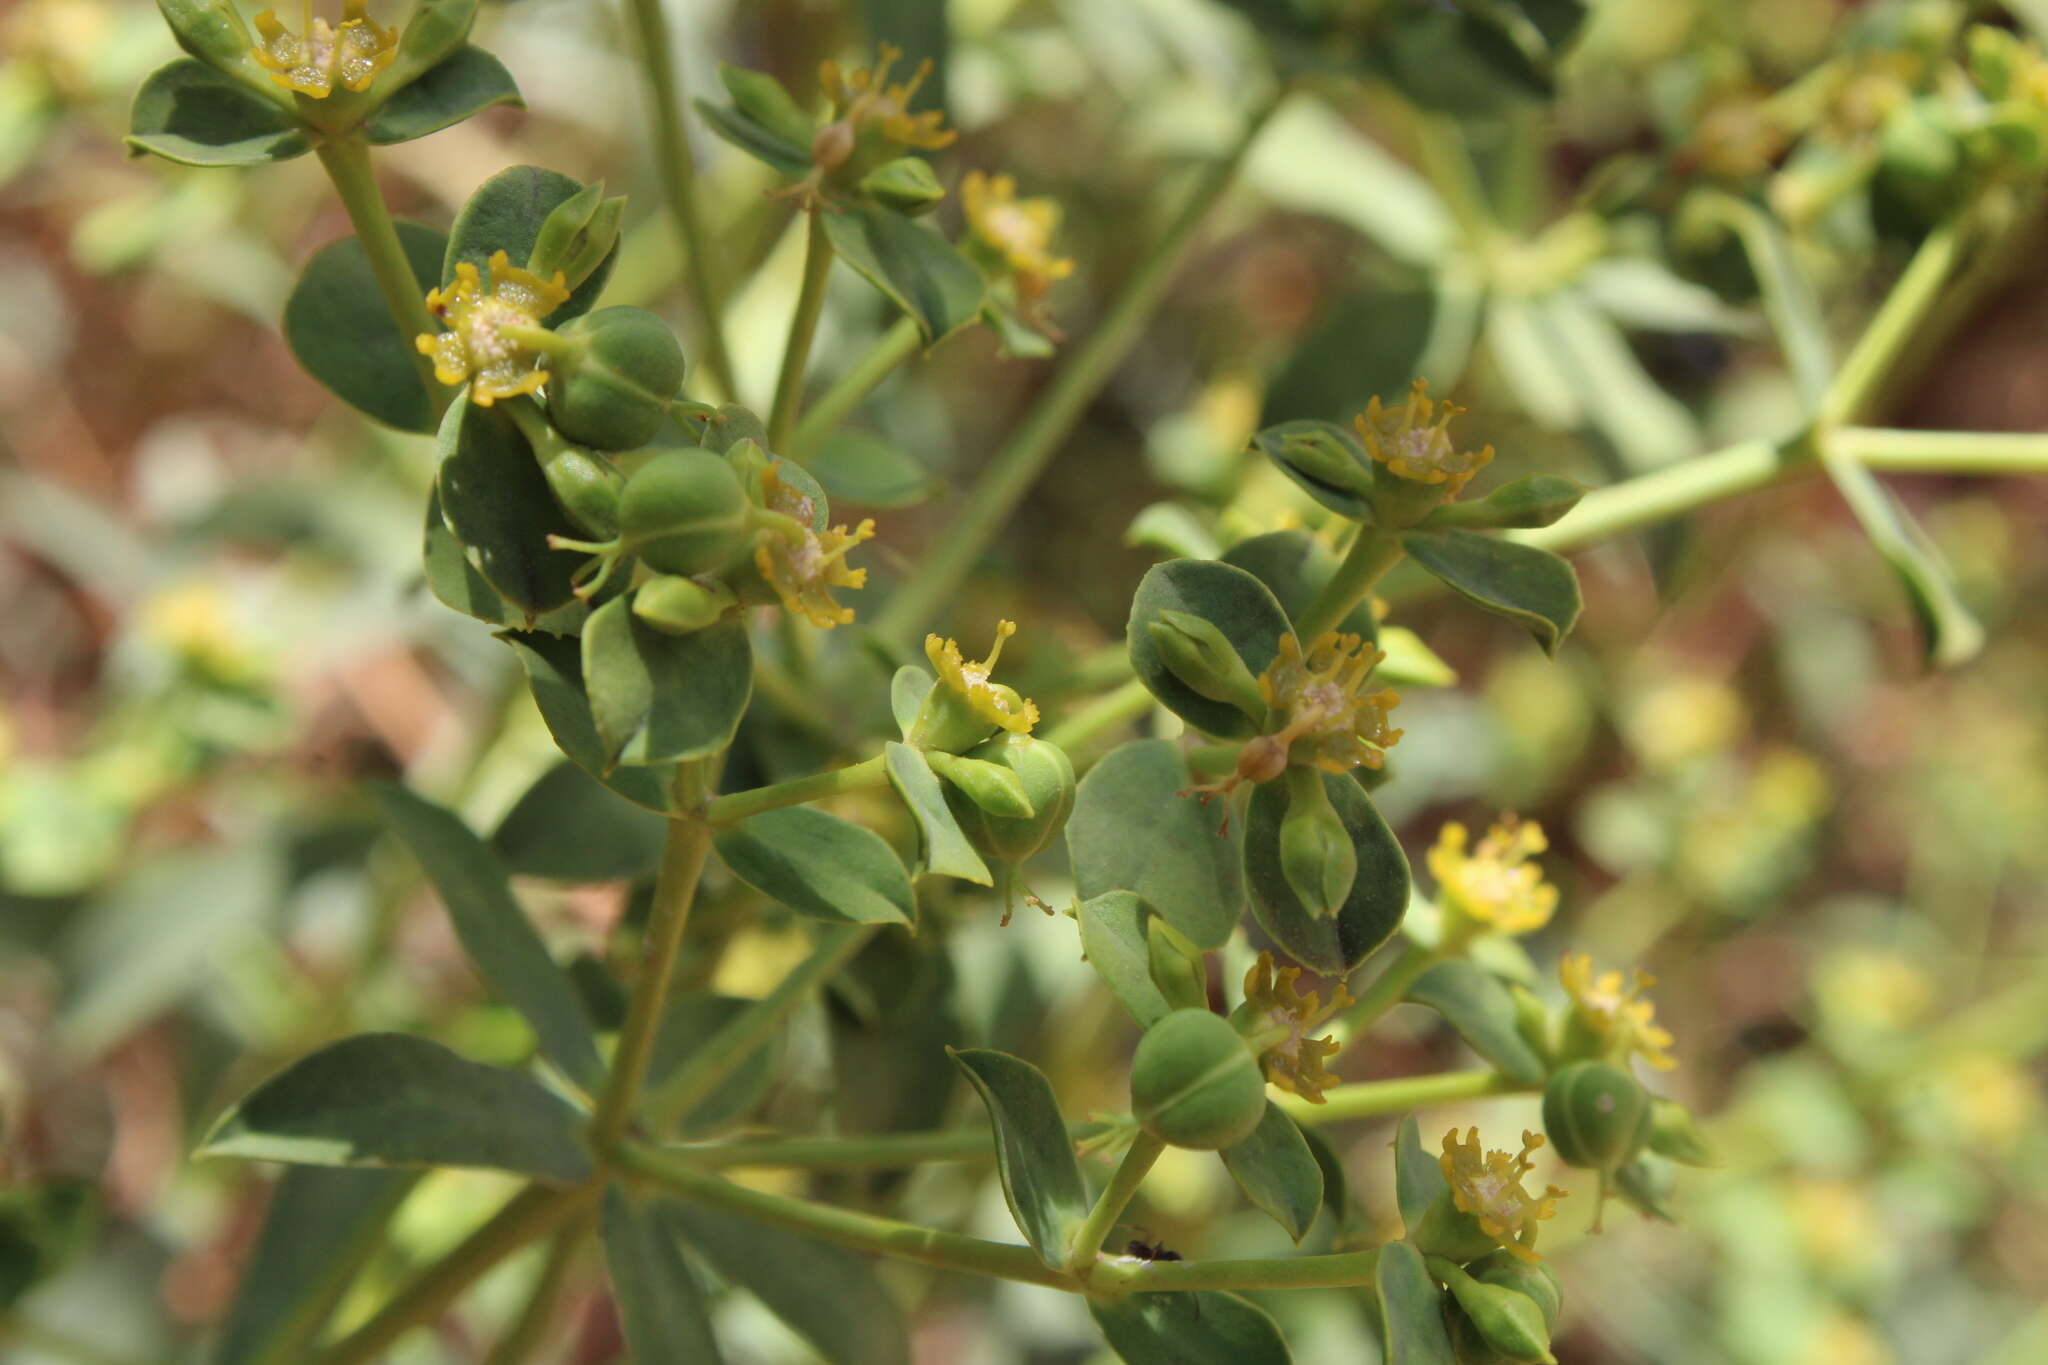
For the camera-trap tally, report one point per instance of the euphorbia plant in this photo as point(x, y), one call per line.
point(670, 574)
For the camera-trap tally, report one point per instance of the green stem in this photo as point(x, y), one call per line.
point(1109, 1205)
point(682, 865)
point(1944, 452)
point(1857, 384)
point(1376, 1099)
point(529, 1330)
point(1386, 990)
point(1440, 150)
point(533, 1212)
point(879, 1153)
point(1105, 713)
point(347, 160)
point(727, 810)
point(679, 182)
point(1012, 471)
point(830, 408)
point(1371, 555)
point(727, 1050)
point(1340, 1270)
point(803, 326)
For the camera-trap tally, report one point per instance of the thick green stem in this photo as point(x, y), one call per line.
point(1109, 1205)
point(830, 408)
point(533, 1212)
point(679, 182)
point(1944, 452)
point(1371, 555)
point(1376, 1099)
point(529, 1330)
point(858, 1153)
point(1105, 713)
point(731, 809)
point(682, 865)
point(1017, 465)
point(803, 326)
point(347, 160)
point(1386, 990)
point(727, 1050)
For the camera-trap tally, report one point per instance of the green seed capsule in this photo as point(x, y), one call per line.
point(611, 384)
point(1448, 1231)
point(1595, 1114)
point(1316, 853)
point(1510, 1322)
point(678, 606)
point(588, 489)
point(1199, 655)
point(906, 185)
point(1195, 1084)
point(684, 512)
point(1533, 1278)
point(1046, 777)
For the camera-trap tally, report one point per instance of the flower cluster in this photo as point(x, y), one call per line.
point(1495, 886)
point(1274, 1010)
point(1414, 441)
point(1488, 1186)
point(863, 99)
point(349, 56)
point(994, 702)
point(1018, 232)
point(1612, 1008)
point(804, 565)
point(1332, 722)
point(482, 344)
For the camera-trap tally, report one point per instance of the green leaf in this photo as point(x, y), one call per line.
point(436, 28)
point(1790, 300)
point(461, 84)
point(757, 140)
point(1949, 634)
point(661, 698)
point(339, 329)
point(1113, 940)
point(495, 932)
point(1326, 461)
point(1409, 662)
point(1418, 1176)
point(1034, 1155)
point(569, 827)
point(830, 1296)
point(1366, 342)
point(907, 691)
point(1227, 597)
point(1536, 500)
point(1132, 830)
point(554, 670)
point(820, 865)
point(1336, 1186)
point(1294, 565)
point(857, 467)
point(1456, 61)
point(911, 264)
point(1411, 1308)
point(497, 502)
point(192, 114)
point(1205, 1327)
point(1520, 582)
point(687, 1025)
point(1277, 1171)
point(452, 579)
point(1476, 1004)
point(1335, 944)
point(505, 214)
point(661, 1306)
point(321, 1225)
point(390, 1099)
point(946, 851)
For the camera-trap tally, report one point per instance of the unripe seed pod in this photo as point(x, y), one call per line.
point(1195, 1084)
point(588, 489)
point(975, 785)
point(684, 512)
point(678, 606)
point(1510, 1322)
point(1448, 1231)
point(1316, 853)
point(1199, 655)
point(1534, 1278)
point(612, 383)
point(1595, 1115)
point(1046, 775)
point(906, 185)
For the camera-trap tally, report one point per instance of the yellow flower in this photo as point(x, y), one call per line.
point(1414, 441)
point(1018, 230)
point(1489, 1188)
point(1495, 886)
point(991, 701)
point(1331, 723)
point(478, 345)
point(803, 565)
point(195, 623)
point(1277, 1018)
point(863, 99)
point(1616, 1011)
point(349, 56)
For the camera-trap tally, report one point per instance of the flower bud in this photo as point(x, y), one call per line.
point(1195, 1084)
point(677, 606)
point(906, 185)
point(684, 512)
point(1675, 1134)
point(1316, 853)
point(1595, 1114)
point(1533, 1278)
point(1046, 777)
point(614, 378)
point(1199, 655)
point(588, 489)
point(577, 235)
point(978, 785)
point(1508, 1321)
point(1177, 967)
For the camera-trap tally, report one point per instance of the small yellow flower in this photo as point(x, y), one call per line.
point(349, 56)
point(1414, 440)
point(992, 701)
point(1616, 1011)
point(1331, 723)
point(1020, 231)
point(195, 623)
point(1272, 1006)
point(863, 99)
point(1495, 886)
point(477, 347)
point(802, 565)
point(1489, 1188)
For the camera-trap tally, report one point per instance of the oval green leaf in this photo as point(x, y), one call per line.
point(1476, 1004)
point(1294, 566)
point(554, 671)
point(1034, 1155)
point(1326, 461)
point(1418, 1175)
point(1379, 894)
point(505, 214)
point(861, 468)
point(1536, 500)
point(1132, 830)
point(910, 264)
point(1205, 1327)
point(569, 827)
point(467, 80)
point(661, 1305)
point(390, 1099)
point(452, 579)
point(1411, 1309)
point(496, 500)
point(1114, 941)
point(1225, 596)
point(820, 865)
point(661, 698)
point(1277, 1172)
point(189, 113)
point(339, 329)
point(944, 849)
point(1527, 585)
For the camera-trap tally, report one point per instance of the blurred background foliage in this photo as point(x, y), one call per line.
point(212, 627)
